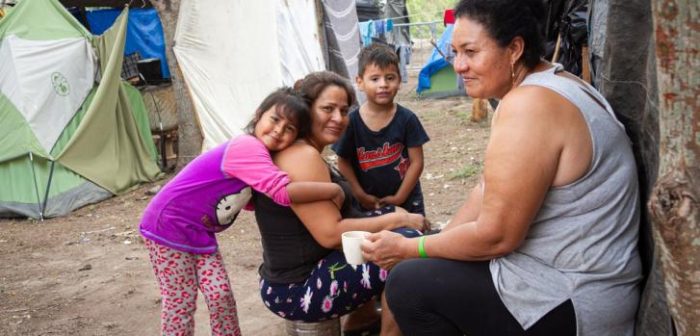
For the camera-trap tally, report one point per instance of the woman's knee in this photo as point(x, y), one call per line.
point(403, 284)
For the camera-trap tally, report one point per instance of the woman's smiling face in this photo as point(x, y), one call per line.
point(329, 116)
point(485, 66)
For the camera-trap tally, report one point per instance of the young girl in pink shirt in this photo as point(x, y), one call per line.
point(180, 222)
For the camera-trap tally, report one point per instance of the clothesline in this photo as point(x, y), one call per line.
point(416, 23)
point(403, 17)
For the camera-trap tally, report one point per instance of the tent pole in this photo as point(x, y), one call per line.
point(36, 187)
point(48, 186)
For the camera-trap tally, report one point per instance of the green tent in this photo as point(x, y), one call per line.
point(71, 131)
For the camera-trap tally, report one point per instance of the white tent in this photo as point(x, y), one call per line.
point(233, 53)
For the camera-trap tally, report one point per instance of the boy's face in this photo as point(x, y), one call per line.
point(380, 85)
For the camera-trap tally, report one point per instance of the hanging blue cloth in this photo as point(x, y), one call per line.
point(144, 32)
point(389, 25)
point(379, 27)
point(436, 62)
point(366, 32)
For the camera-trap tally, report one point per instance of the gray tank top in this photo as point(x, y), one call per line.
point(582, 244)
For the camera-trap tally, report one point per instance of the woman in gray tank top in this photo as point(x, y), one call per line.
point(547, 243)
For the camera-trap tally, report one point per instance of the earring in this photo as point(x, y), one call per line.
point(512, 72)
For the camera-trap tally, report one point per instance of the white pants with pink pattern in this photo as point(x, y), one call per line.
point(179, 275)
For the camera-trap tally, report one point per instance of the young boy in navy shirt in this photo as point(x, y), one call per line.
point(381, 152)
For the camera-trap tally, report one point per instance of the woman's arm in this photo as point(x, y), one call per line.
point(469, 211)
point(322, 218)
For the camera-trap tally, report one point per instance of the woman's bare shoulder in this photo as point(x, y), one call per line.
point(297, 151)
point(302, 162)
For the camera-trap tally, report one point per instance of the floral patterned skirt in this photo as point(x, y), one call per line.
point(333, 289)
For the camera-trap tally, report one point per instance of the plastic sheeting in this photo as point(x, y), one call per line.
point(343, 39)
point(436, 61)
point(144, 32)
point(233, 54)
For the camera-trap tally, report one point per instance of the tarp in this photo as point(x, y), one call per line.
point(144, 32)
point(57, 154)
point(233, 54)
point(437, 77)
point(342, 36)
point(107, 147)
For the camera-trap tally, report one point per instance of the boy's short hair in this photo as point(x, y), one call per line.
point(378, 54)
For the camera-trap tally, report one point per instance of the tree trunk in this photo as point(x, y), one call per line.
point(674, 205)
point(189, 134)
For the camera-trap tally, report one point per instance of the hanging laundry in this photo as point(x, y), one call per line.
point(448, 17)
point(404, 52)
point(366, 32)
point(389, 25)
point(379, 28)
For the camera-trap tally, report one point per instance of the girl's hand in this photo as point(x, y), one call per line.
point(413, 221)
point(383, 248)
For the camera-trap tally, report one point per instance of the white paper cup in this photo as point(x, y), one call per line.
point(351, 246)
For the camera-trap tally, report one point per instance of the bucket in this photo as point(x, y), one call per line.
point(323, 328)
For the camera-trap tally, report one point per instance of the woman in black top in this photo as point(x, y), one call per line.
point(304, 275)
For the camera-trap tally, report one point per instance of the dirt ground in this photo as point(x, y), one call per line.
point(88, 273)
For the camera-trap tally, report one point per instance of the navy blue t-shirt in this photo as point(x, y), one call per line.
point(380, 159)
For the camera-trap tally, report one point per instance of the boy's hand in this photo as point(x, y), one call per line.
point(369, 202)
point(339, 197)
point(390, 200)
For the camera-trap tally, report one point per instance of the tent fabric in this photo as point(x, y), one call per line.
point(342, 38)
point(398, 12)
point(42, 20)
point(436, 61)
point(104, 147)
point(144, 32)
point(34, 83)
point(29, 84)
point(31, 195)
point(233, 54)
point(107, 147)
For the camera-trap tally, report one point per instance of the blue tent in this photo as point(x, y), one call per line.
point(437, 77)
point(144, 32)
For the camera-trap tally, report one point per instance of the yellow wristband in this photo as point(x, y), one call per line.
point(421, 247)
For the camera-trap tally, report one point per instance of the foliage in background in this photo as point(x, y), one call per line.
point(426, 11)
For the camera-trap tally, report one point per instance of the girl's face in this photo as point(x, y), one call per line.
point(485, 67)
point(329, 117)
point(275, 130)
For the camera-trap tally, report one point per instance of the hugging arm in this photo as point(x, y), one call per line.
point(306, 192)
point(322, 218)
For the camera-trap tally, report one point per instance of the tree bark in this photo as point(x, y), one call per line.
point(674, 205)
point(189, 133)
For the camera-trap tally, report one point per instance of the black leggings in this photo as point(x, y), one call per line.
point(445, 297)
